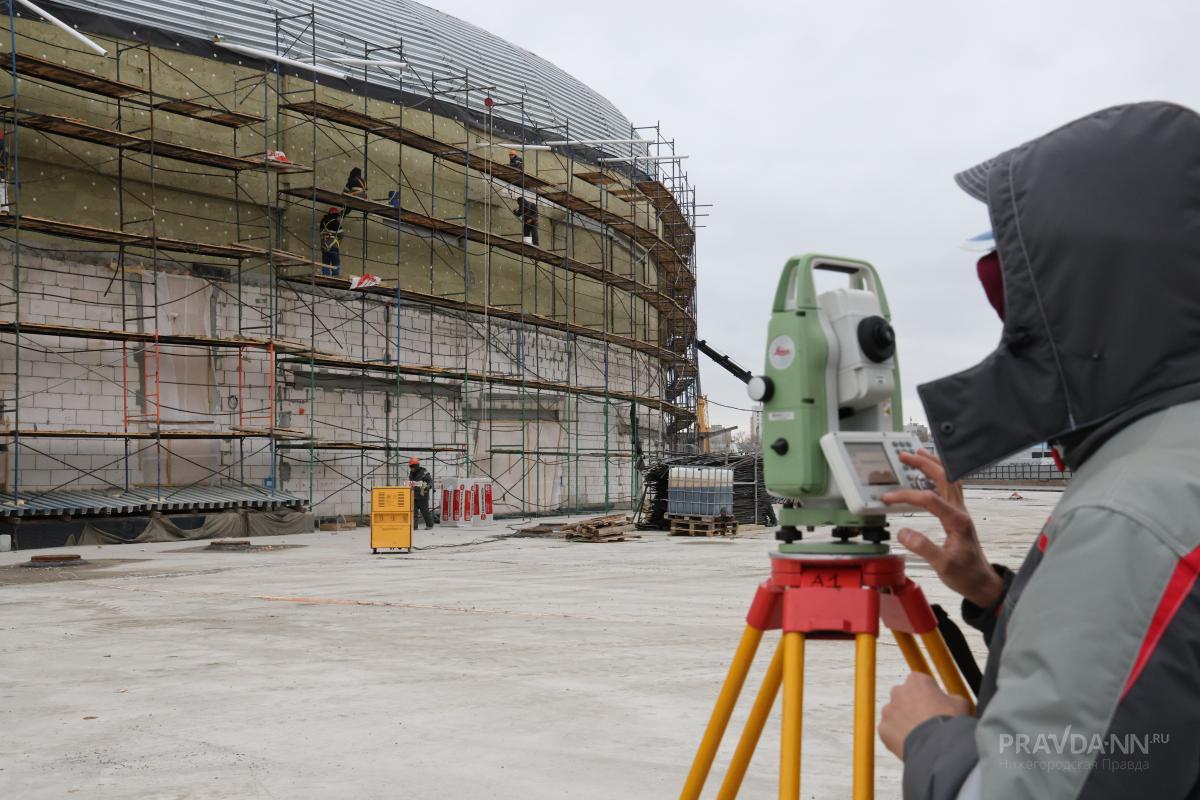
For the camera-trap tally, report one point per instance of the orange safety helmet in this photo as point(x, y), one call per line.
point(414, 461)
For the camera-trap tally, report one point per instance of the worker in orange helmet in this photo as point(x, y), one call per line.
point(420, 480)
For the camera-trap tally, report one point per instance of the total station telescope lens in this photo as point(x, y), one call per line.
point(877, 339)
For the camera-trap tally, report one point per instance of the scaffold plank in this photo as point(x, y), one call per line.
point(87, 132)
point(678, 230)
point(447, 373)
point(108, 236)
point(79, 433)
point(660, 301)
point(408, 296)
point(90, 233)
point(213, 114)
point(598, 178)
point(666, 255)
point(34, 67)
point(384, 446)
point(106, 334)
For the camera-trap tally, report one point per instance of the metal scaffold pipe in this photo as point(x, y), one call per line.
point(266, 55)
point(64, 27)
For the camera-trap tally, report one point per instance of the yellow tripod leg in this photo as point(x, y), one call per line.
point(793, 715)
point(726, 700)
point(864, 717)
point(912, 652)
point(944, 663)
point(754, 727)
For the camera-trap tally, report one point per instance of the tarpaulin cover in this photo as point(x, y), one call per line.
point(225, 524)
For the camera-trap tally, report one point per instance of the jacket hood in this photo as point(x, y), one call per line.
point(1097, 227)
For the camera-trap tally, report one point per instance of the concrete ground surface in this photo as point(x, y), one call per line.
point(479, 666)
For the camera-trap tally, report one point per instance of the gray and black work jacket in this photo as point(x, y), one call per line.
point(421, 475)
point(1092, 684)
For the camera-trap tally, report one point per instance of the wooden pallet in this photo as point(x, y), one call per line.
point(609, 533)
point(542, 529)
point(611, 528)
point(694, 525)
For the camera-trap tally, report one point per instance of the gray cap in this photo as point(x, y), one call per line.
point(974, 181)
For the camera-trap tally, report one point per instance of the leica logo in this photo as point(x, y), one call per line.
point(781, 351)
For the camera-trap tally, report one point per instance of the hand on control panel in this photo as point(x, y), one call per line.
point(959, 561)
point(913, 476)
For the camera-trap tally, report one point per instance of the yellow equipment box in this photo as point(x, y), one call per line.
point(391, 518)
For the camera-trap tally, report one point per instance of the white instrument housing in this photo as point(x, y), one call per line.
point(861, 383)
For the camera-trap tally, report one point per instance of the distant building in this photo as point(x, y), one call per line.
point(719, 440)
point(918, 430)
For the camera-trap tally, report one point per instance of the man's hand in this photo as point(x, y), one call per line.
point(959, 561)
point(917, 699)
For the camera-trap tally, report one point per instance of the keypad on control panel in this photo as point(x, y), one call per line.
point(914, 476)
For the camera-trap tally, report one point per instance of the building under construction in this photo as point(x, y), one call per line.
point(172, 339)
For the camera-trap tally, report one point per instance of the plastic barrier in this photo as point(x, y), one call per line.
point(486, 512)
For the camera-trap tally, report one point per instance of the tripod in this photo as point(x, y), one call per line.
point(826, 591)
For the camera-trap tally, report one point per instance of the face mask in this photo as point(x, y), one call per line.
point(988, 270)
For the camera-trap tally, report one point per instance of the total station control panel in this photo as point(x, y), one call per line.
point(866, 466)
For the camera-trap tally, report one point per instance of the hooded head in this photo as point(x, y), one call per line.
point(1097, 228)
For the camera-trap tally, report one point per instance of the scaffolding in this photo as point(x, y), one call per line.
point(551, 369)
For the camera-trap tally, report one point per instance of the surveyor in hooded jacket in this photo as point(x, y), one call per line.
point(1092, 683)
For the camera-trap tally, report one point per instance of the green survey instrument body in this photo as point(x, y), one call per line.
point(830, 366)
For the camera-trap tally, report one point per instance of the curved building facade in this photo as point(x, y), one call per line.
point(231, 272)
point(436, 47)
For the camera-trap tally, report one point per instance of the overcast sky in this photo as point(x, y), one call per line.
point(836, 127)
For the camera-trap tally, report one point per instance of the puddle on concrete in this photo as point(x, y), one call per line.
point(254, 548)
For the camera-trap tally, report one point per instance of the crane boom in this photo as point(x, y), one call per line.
point(731, 366)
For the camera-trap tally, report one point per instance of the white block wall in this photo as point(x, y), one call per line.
point(90, 384)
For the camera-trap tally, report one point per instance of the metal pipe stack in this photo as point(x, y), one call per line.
point(751, 504)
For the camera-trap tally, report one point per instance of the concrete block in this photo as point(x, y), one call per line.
point(44, 369)
point(39, 310)
point(90, 419)
point(61, 477)
point(33, 415)
point(104, 402)
point(101, 285)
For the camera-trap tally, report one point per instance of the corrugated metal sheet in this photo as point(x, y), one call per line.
point(135, 501)
point(434, 44)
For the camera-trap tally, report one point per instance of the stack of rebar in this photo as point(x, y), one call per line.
point(751, 503)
